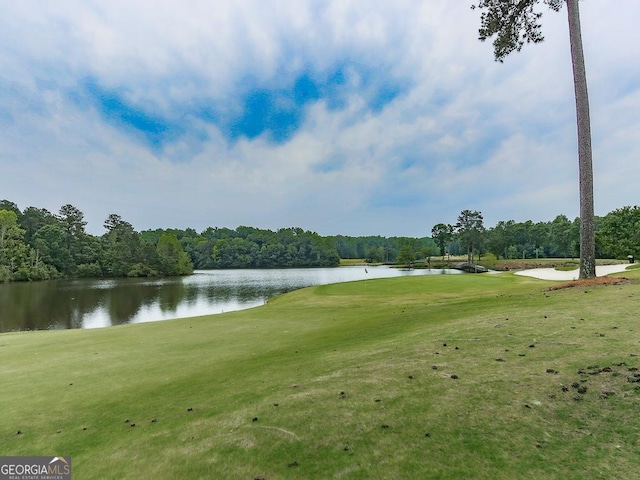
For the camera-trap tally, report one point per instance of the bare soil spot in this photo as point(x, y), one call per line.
point(591, 282)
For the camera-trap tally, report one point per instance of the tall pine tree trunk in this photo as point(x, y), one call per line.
point(585, 168)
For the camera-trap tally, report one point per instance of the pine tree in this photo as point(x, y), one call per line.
point(514, 23)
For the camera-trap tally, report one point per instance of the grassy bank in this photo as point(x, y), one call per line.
point(483, 376)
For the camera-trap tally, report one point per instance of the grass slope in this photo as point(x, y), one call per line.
point(414, 377)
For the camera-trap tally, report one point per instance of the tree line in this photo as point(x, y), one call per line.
point(249, 247)
point(617, 236)
point(36, 244)
point(377, 249)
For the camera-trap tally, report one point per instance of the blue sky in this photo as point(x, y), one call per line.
point(318, 114)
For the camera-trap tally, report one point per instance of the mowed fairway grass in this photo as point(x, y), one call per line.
point(447, 377)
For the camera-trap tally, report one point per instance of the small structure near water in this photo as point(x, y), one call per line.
point(470, 267)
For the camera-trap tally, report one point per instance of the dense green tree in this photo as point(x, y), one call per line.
point(12, 207)
point(9, 229)
point(172, 259)
point(33, 219)
point(500, 238)
point(34, 268)
point(233, 253)
point(89, 256)
point(408, 247)
point(374, 254)
point(470, 231)
point(199, 250)
point(514, 23)
point(73, 223)
point(122, 249)
point(114, 221)
point(248, 247)
point(50, 241)
point(619, 233)
point(442, 233)
point(18, 261)
point(560, 237)
point(216, 233)
point(525, 238)
point(406, 255)
point(428, 251)
point(12, 247)
point(540, 237)
point(346, 247)
point(360, 247)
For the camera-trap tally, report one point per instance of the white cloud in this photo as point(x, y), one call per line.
point(464, 131)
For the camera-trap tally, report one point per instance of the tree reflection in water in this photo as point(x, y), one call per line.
point(86, 303)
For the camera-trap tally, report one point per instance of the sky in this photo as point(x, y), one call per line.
point(378, 117)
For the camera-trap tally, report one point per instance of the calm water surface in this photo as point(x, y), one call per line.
point(62, 304)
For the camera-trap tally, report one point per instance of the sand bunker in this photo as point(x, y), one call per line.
point(553, 274)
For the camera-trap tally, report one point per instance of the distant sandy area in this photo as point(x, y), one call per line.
point(553, 274)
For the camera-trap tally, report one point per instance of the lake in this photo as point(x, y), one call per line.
point(95, 303)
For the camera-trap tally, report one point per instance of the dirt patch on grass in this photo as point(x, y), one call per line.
point(524, 265)
point(591, 282)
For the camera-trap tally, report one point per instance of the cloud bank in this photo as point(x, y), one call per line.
point(318, 114)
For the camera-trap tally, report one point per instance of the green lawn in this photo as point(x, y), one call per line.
point(456, 376)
